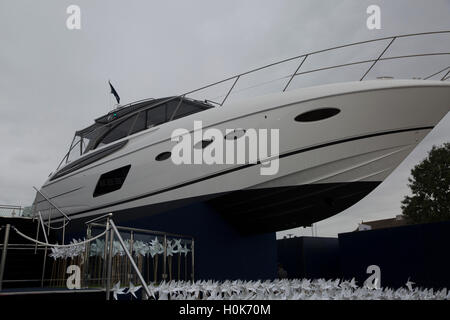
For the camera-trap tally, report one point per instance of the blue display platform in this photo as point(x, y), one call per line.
point(418, 252)
point(415, 252)
point(221, 251)
point(309, 257)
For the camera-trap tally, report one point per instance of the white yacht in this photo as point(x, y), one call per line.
point(337, 142)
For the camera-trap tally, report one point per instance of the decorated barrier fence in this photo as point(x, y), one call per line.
point(108, 254)
point(284, 289)
point(148, 256)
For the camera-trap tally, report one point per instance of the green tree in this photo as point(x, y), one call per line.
point(430, 187)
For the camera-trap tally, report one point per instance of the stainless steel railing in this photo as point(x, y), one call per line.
point(11, 211)
point(301, 59)
point(66, 218)
point(306, 56)
point(4, 251)
point(133, 233)
point(109, 232)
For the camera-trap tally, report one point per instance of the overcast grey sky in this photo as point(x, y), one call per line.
point(53, 81)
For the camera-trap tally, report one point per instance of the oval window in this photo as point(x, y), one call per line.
point(235, 134)
point(203, 144)
point(163, 156)
point(316, 115)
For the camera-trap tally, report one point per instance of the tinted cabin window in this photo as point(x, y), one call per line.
point(149, 118)
point(162, 113)
point(316, 115)
point(186, 109)
point(88, 159)
point(171, 106)
point(141, 122)
point(118, 132)
point(156, 116)
point(111, 181)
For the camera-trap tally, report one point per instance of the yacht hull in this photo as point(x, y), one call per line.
point(325, 166)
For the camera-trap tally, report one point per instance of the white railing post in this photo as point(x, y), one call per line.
point(136, 269)
point(4, 251)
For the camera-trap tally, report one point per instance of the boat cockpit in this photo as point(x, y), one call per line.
point(129, 120)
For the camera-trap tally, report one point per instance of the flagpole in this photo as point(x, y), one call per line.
point(114, 92)
point(109, 98)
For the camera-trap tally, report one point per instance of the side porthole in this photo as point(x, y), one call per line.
point(235, 134)
point(317, 114)
point(163, 156)
point(203, 144)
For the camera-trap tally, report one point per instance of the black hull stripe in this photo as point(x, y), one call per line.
point(59, 195)
point(251, 165)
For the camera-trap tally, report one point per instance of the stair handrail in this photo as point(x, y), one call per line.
point(109, 246)
point(46, 244)
point(130, 257)
point(54, 205)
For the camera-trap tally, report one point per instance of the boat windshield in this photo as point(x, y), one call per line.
point(129, 120)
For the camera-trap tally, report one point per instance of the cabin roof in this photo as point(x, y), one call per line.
point(134, 107)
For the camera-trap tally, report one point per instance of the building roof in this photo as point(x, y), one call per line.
point(384, 223)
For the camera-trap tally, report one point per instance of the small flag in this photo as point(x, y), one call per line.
point(114, 92)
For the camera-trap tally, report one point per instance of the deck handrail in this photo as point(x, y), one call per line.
point(236, 77)
point(302, 57)
point(392, 38)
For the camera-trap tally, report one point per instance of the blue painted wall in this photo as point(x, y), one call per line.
point(309, 257)
point(220, 251)
point(419, 252)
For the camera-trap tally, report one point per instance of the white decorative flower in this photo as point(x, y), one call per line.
point(171, 248)
point(133, 289)
point(139, 248)
point(409, 285)
point(117, 290)
point(117, 249)
point(156, 247)
point(97, 248)
point(296, 289)
point(177, 245)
